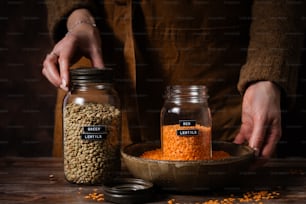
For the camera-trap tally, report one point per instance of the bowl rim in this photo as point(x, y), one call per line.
point(232, 159)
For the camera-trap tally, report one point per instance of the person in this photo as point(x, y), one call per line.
point(245, 52)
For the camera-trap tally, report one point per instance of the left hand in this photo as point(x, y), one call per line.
point(261, 119)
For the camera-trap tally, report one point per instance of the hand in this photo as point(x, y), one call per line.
point(261, 119)
point(83, 39)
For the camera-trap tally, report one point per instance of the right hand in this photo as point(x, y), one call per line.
point(82, 39)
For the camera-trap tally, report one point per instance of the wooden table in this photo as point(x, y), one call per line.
point(41, 180)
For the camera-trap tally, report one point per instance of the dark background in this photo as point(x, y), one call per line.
point(28, 100)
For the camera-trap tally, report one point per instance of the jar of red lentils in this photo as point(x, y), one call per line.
point(186, 123)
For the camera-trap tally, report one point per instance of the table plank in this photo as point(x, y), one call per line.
point(41, 180)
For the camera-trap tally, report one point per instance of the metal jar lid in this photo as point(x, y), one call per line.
point(91, 74)
point(128, 190)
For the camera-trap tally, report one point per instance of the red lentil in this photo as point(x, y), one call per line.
point(157, 155)
point(249, 197)
point(191, 147)
point(99, 197)
point(95, 196)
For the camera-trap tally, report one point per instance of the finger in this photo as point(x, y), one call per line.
point(243, 134)
point(50, 70)
point(97, 60)
point(240, 138)
point(271, 144)
point(64, 71)
point(53, 54)
point(257, 137)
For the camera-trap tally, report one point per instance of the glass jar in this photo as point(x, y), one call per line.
point(186, 123)
point(91, 127)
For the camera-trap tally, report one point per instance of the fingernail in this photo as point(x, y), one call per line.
point(64, 85)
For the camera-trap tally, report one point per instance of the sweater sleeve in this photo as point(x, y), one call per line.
point(276, 41)
point(58, 12)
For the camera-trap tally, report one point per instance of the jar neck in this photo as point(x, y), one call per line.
point(90, 85)
point(186, 93)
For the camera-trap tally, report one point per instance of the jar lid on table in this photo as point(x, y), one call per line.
point(128, 190)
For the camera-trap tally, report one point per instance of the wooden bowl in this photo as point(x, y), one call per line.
point(189, 175)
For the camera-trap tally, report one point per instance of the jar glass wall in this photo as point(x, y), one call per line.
point(91, 127)
point(186, 123)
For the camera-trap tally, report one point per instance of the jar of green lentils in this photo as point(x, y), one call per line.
point(91, 127)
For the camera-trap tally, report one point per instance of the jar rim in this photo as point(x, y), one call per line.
point(186, 91)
